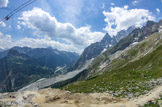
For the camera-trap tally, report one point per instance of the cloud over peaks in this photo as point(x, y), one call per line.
point(44, 24)
point(6, 42)
point(121, 18)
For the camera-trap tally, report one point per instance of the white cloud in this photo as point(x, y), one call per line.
point(45, 42)
point(120, 18)
point(135, 2)
point(18, 27)
point(2, 24)
point(3, 3)
point(158, 10)
point(7, 42)
point(125, 7)
point(46, 25)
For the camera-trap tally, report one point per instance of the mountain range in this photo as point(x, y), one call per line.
point(21, 66)
point(97, 48)
point(113, 58)
point(130, 68)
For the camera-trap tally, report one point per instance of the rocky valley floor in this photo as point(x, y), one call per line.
point(60, 98)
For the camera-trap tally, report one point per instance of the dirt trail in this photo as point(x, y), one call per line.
point(66, 99)
point(59, 98)
point(150, 96)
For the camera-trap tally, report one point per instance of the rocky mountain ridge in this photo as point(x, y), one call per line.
point(97, 48)
point(128, 71)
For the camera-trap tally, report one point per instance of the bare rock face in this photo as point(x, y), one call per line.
point(97, 48)
point(137, 35)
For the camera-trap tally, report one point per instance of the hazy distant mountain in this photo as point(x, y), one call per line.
point(47, 56)
point(18, 69)
point(21, 66)
point(1, 49)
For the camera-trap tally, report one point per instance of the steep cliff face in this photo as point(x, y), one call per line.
point(94, 50)
point(136, 35)
point(103, 61)
point(123, 33)
point(97, 48)
point(128, 73)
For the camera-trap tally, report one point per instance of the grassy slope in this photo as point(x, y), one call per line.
point(125, 77)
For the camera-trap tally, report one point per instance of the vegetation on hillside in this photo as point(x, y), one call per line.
point(125, 77)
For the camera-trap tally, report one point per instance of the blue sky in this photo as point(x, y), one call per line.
point(72, 25)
